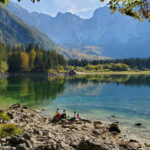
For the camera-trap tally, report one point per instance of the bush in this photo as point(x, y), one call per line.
point(9, 130)
point(4, 116)
point(3, 67)
point(79, 69)
point(52, 71)
point(98, 67)
point(90, 67)
point(70, 68)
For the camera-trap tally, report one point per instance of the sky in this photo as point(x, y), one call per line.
point(83, 8)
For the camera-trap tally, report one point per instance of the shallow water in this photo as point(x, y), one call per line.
point(92, 96)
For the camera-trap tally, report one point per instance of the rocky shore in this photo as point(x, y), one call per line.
point(41, 134)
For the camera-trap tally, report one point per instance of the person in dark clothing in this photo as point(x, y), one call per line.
point(63, 115)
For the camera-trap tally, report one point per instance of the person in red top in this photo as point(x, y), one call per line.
point(78, 117)
point(63, 115)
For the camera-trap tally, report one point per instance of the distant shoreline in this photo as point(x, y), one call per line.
point(33, 74)
point(114, 73)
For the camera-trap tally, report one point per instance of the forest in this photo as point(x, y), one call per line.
point(136, 64)
point(29, 59)
point(35, 59)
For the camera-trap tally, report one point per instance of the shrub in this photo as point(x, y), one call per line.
point(52, 71)
point(80, 69)
point(9, 130)
point(90, 67)
point(4, 116)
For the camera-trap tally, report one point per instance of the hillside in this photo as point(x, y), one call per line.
point(115, 35)
point(14, 30)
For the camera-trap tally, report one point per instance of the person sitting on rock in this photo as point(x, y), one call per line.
point(78, 117)
point(63, 115)
point(75, 115)
point(57, 111)
point(57, 116)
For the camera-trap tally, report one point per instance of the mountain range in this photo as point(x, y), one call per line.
point(104, 34)
point(14, 30)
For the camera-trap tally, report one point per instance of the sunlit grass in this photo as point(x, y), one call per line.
point(114, 72)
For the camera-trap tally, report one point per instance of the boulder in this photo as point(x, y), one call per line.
point(86, 121)
point(113, 128)
point(97, 124)
point(88, 145)
point(7, 148)
point(96, 132)
point(26, 136)
point(21, 147)
point(10, 115)
point(17, 140)
point(14, 106)
point(25, 107)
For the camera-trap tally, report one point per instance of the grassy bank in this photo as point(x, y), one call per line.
point(114, 72)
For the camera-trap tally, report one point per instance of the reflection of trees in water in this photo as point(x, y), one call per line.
point(132, 80)
point(31, 89)
point(40, 91)
point(83, 79)
point(89, 88)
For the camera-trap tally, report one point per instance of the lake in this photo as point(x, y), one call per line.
point(95, 97)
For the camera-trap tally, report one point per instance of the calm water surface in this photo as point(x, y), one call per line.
point(93, 97)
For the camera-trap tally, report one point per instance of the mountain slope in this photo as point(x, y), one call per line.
point(14, 30)
point(115, 35)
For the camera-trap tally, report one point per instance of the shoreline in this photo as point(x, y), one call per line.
point(41, 133)
point(115, 73)
point(38, 74)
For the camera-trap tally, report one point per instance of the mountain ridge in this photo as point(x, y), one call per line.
point(116, 35)
point(14, 30)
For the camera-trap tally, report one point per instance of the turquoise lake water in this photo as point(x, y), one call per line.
point(95, 97)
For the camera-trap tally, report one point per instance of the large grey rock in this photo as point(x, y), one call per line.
point(14, 106)
point(114, 128)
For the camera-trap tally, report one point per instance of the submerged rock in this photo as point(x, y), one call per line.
point(113, 116)
point(138, 124)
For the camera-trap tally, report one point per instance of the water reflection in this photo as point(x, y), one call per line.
point(40, 91)
point(93, 96)
point(130, 80)
point(31, 91)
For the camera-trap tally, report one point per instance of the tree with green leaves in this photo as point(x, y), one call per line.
point(5, 2)
point(3, 58)
point(138, 9)
point(32, 56)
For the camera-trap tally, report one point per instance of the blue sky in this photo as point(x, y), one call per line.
point(83, 8)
